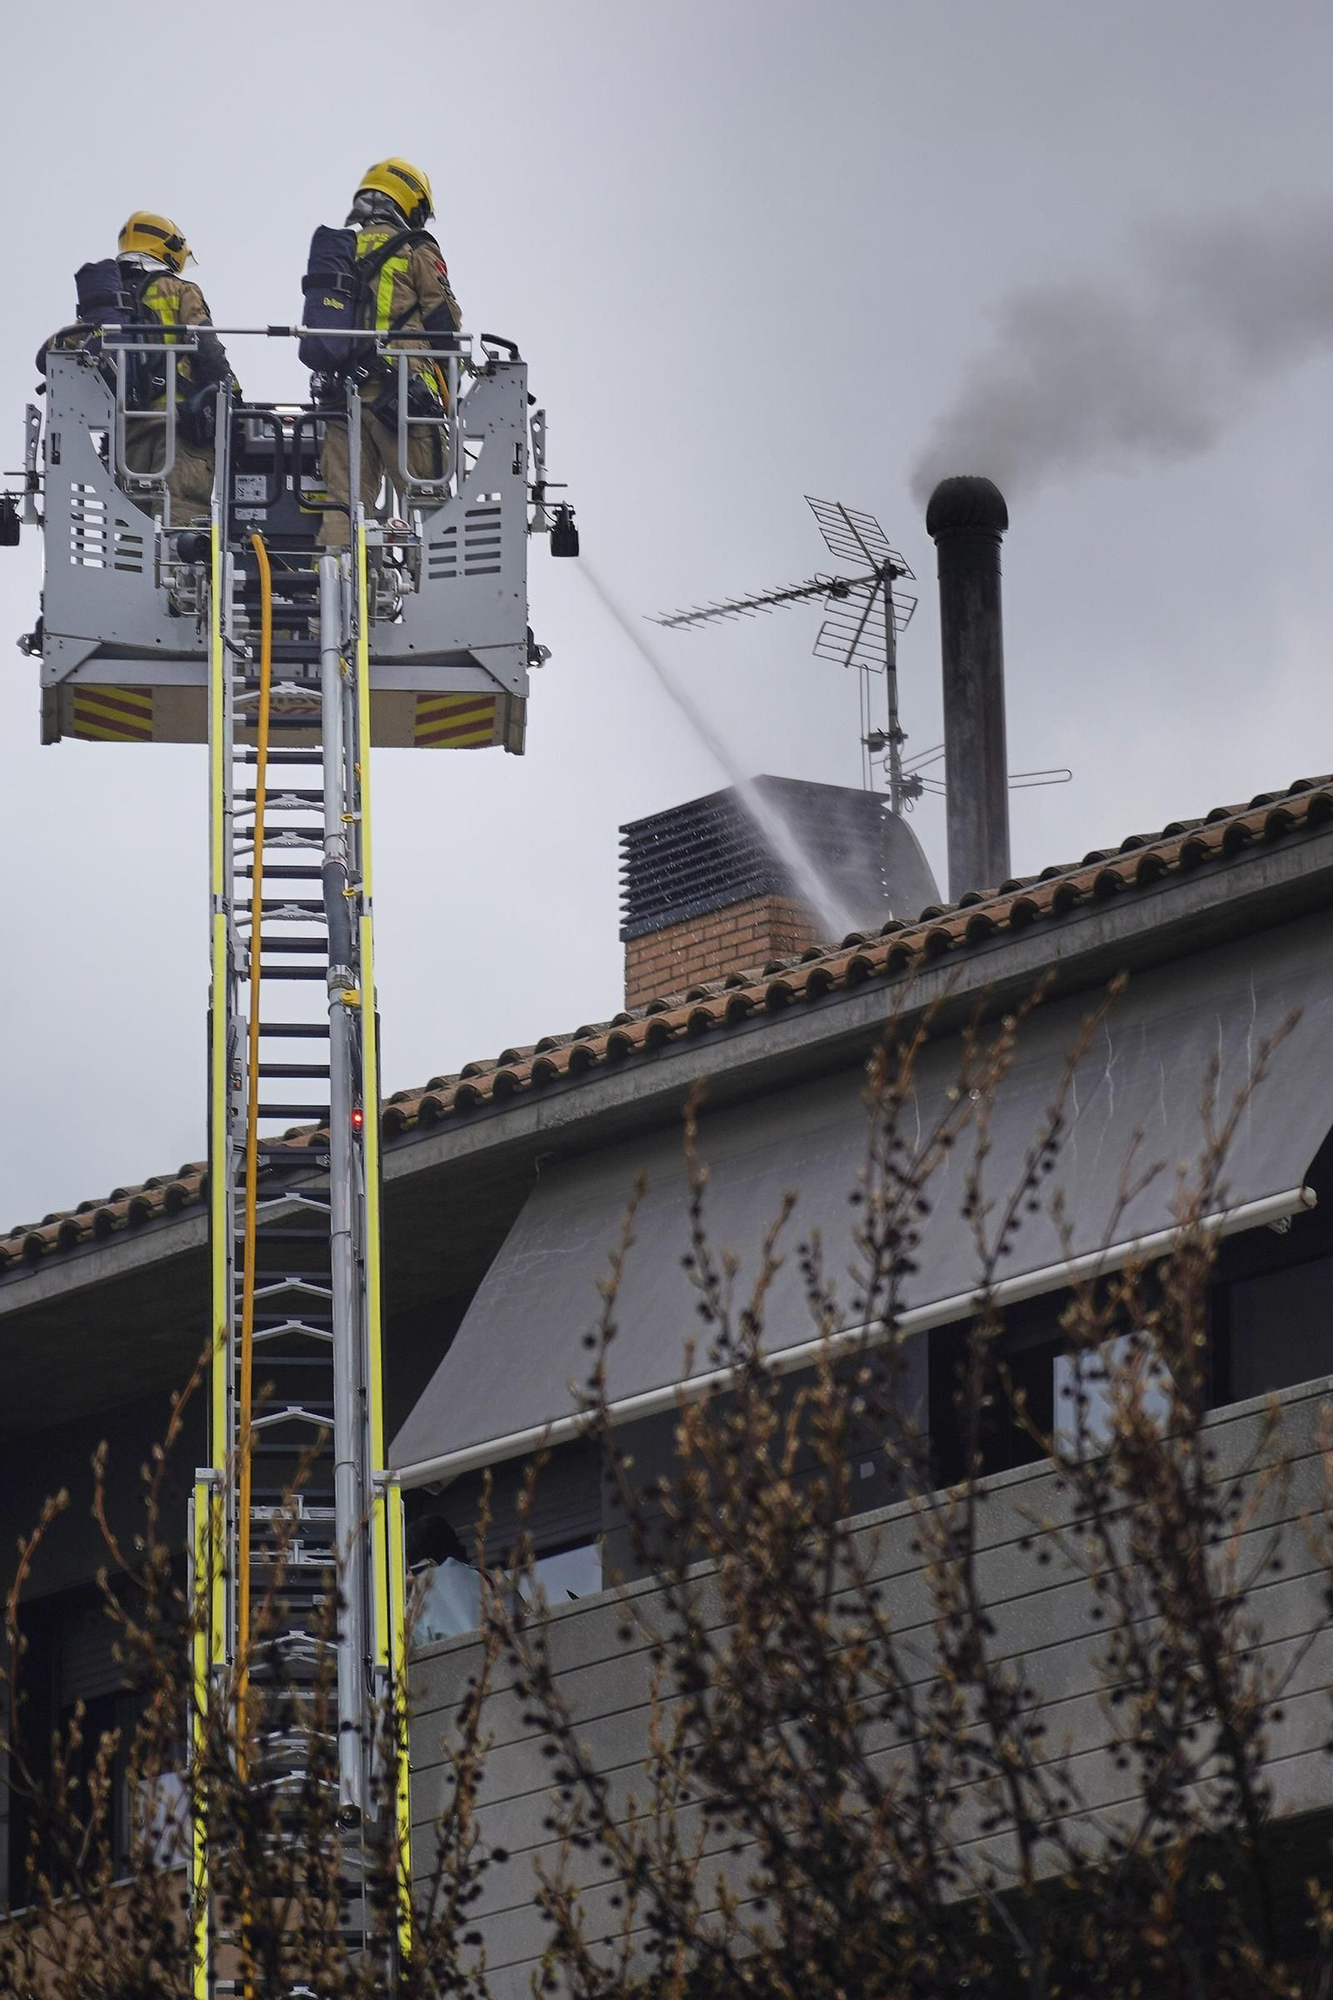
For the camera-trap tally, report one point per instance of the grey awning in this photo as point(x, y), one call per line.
point(521, 1343)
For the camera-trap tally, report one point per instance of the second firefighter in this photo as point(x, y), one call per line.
point(404, 290)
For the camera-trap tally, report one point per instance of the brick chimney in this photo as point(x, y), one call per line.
point(701, 895)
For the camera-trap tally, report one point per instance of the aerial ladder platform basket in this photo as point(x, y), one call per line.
point(123, 639)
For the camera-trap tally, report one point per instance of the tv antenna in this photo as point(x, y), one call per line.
point(863, 616)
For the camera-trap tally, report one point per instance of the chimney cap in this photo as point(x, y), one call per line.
point(966, 501)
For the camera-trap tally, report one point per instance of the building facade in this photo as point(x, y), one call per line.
point(505, 1193)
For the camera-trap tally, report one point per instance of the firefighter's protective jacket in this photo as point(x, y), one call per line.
point(410, 291)
point(177, 302)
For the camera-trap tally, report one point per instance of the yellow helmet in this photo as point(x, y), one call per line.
point(403, 183)
point(154, 236)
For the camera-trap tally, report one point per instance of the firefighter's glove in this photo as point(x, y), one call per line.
point(423, 397)
point(198, 415)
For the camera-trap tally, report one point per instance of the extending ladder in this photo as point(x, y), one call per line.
point(297, 1542)
point(296, 1539)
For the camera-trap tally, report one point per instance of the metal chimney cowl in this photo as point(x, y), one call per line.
point(966, 517)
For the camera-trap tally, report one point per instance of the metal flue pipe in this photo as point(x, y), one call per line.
point(966, 518)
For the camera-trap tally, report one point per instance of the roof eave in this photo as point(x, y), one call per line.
point(1178, 915)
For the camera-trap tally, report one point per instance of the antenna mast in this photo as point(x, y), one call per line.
point(863, 617)
point(861, 630)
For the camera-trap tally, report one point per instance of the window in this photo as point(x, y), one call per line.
point(1027, 1350)
point(567, 1573)
point(1280, 1328)
point(447, 1598)
point(445, 1601)
point(70, 1662)
point(1271, 1302)
point(162, 1808)
point(1087, 1375)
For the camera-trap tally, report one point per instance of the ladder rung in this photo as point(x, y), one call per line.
point(288, 836)
point(275, 1277)
point(289, 699)
point(281, 1639)
point(307, 715)
point(298, 1358)
point(285, 871)
point(301, 944)
point(301, 1608)
point(293, 1031)
point(307, 1282)
point(311, 1314)
point(270, 1284)
point(275, 798)
point(269, 1519)
point(293, 653)
point(298, 1361)
point(312, 1584)
point(292, 971)
point(313, 1539)
point(279, 756)
point(293, 1069)
point(287, 1198)
point(293, 1413)
point(317, 1113)
point(277, 1232)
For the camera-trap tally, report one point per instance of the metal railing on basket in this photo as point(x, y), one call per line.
point(406, 358)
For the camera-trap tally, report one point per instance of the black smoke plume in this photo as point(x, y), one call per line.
point(1088, 375)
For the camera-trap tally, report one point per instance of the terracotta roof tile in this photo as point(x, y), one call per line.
point(1139, 862)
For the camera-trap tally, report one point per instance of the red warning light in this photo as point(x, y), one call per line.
point(358, 1118)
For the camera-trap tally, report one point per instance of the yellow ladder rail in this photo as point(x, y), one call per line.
point(245, 1399)
point(387, 1500)
point(244, 1437)
point(209, 1606)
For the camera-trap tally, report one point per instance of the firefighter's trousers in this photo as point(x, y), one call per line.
point(190, 480)
point(426, 445)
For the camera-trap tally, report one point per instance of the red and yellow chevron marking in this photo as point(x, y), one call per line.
point(455, 721)
point(112, 714)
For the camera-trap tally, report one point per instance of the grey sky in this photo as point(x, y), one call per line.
point(751, 249)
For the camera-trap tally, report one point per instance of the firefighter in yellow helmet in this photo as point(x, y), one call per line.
point(152, 253)
point(408, 292)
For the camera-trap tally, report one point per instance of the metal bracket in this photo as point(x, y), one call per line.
point(32, 451)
